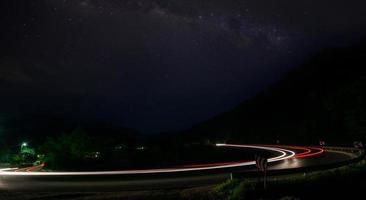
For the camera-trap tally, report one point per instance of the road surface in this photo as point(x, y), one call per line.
point(286, 159)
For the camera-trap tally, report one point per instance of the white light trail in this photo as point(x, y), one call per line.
point(8, 169)
point(284, 154)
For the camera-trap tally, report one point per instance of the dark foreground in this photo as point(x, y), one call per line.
point(347, 182)
point(179, 180)
point(324, 183)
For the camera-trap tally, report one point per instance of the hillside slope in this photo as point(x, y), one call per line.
point(322, 99)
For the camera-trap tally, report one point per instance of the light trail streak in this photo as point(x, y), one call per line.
point(29, 169)
point(308, 151)
point(319, 151)
point(9, 169)
point(284, 154)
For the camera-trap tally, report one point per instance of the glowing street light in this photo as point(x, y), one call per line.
point(24, 144)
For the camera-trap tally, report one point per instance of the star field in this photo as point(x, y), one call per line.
point(158, 65)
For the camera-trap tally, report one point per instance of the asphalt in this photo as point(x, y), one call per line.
point(110, 183)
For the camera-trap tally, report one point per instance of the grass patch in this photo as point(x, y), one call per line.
point(342, 182)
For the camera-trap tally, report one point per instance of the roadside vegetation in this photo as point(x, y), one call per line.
point(78, 150)
point(345, 182)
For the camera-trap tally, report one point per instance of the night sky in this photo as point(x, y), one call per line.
point(159, 65)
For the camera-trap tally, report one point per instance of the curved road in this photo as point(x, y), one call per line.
point(286, 159)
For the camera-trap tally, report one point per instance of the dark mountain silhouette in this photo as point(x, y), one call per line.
point(324, 99)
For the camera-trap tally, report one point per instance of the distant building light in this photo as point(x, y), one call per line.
point(140, 148)
point(92, 155)
point(119, 147)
